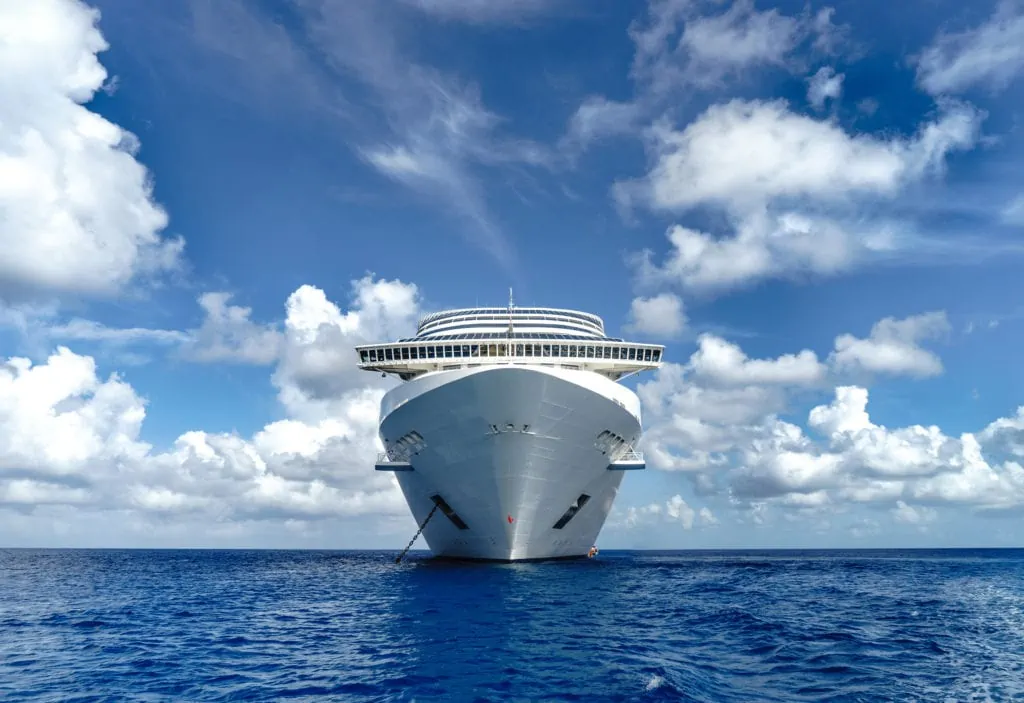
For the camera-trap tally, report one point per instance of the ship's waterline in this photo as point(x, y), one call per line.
point(514, 445)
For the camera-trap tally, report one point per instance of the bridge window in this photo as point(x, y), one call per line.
point(657, 355)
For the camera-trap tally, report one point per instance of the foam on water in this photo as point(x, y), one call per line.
point(725, 626)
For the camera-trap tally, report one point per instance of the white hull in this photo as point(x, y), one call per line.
point(542, 457)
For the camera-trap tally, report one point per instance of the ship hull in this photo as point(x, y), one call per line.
point(513, 460)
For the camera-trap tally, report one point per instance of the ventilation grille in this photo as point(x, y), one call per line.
point(405, 446)
point(571, 512)
point(447, 510)
point(611, 444)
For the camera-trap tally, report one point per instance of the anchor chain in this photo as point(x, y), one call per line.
point(409, 546)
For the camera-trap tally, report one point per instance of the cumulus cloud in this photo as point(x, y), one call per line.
point(742, 154)
point(719, 361)
point(317, 363)
point(824, 85)
point(662, 315)
point(990, 55)
point(718, 419)
point(778, 176)
point(228, 334)
point(79, 215)
point(913, 515)
point(698, 414)
point(674, 510)
point(70, 437)
point(893, 347)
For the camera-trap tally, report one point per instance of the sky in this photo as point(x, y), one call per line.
point(817, 207)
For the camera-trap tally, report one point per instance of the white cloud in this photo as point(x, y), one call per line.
point(697, 415)
point(78, 329)
point(227, 334)
point(59, 420)
point(716, 418)
point(662, 315)
point(79, 216)
point(598, 117)
point(721, 362)
point(70, 437)
point(1013, 213)
point(434, 133)
point(742, 154)
point(675, 509)
point(824, 85)
point(763, 246)
point(483, 11)
point(913, 515)
point(778, 176)
point(679, 47)
point(990, 55)
point(318, 362)
point(893, 347)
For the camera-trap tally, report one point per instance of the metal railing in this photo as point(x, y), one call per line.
point(383, 458)
point(631, 456)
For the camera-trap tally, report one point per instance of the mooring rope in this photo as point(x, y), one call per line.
point(409, 546)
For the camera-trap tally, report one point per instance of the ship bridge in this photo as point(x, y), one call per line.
point(470, 337)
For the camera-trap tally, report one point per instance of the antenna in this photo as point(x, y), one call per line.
point(510, 297)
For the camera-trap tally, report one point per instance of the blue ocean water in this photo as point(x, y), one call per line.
point(112, 625)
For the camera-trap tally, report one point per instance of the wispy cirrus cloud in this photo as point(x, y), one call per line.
point(990, 55)
point(486, 11)
point(439, 135)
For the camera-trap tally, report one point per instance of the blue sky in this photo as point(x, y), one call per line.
point(817, 207)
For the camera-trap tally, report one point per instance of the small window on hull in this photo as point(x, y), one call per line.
point(571, 512)
point(447, 510)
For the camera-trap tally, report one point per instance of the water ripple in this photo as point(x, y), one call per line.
point(760, 626)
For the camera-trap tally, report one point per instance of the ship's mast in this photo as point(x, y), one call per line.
point(510, 332)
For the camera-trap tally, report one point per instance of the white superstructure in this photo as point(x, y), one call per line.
point(511, 422)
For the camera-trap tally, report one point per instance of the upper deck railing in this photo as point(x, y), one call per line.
point(413, 357)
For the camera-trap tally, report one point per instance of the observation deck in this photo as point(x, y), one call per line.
point(470, 337)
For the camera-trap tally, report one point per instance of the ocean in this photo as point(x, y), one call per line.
point(137, 625)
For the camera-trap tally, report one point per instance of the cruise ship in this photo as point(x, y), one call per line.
point(510, 433)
